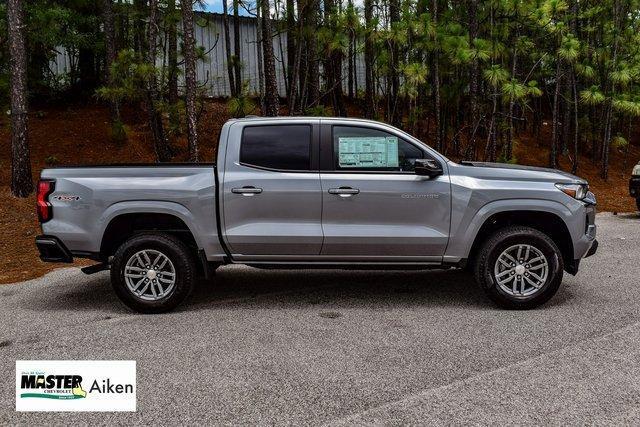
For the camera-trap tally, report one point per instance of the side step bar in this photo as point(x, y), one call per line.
point(92, 269)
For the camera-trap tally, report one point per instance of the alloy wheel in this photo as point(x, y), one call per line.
point(150, 275)
point(521, 270)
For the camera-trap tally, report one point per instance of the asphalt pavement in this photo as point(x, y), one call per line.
point(348, 347)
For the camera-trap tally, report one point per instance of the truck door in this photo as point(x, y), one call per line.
point(374, 206)
point(272, 200)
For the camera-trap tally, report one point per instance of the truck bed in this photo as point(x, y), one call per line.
point(86, 199)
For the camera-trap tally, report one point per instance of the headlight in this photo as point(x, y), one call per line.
point(577, 191)
point(636, 170)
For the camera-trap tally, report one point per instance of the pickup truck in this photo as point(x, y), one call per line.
point(634, 184)
point(304, 192)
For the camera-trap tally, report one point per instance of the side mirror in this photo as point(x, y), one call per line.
point(427, 167)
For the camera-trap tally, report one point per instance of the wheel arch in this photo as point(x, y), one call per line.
point(123, 221)
point(549, 223)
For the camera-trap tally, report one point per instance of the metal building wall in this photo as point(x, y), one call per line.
point(212, 72)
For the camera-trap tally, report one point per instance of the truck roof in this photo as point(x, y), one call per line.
point(305, 118)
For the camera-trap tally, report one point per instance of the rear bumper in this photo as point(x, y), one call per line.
point(52, 249)
point(634, 186)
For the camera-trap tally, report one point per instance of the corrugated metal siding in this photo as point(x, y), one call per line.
point(212, 72)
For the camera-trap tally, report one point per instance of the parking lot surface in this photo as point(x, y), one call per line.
point(348, 347)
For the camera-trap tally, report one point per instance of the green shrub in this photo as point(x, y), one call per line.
point(119, 132)
point(51, 160)
point(241, 105)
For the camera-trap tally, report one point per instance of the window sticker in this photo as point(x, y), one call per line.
point(368, 152)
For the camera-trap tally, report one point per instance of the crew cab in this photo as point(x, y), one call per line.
point(304, 192)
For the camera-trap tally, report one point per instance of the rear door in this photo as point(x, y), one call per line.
point(374, 206)
point(272, 199)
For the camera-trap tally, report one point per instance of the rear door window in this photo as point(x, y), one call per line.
point(278, 147)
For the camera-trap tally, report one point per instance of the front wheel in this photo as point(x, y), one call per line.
point(152, 273)
point(519, 268)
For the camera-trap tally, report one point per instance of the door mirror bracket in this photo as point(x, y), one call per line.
point(427, 167)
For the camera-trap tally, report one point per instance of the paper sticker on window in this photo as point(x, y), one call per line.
point(368, 152)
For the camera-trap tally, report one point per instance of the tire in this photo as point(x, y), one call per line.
point(491, 274)
point(638, 203)
point(142, 249)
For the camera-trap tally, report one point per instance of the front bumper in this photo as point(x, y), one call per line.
point(52, 249)
point(593, 249)
point(586, 244)
point(634, 186)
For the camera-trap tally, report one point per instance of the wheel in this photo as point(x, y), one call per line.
point(519, 268)
point(152, 273)
point(638, 203)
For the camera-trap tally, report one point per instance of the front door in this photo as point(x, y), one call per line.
point(374, 207)
point(272, 200)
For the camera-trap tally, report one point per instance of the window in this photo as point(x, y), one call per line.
point(364, 149)
point(284, 147)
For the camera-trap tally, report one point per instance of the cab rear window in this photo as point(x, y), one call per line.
point(279, 147)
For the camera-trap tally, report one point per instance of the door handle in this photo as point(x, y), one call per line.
point(344, 191)
point(247, 191)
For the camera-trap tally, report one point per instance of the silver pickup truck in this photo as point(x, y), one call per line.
point(317, 192)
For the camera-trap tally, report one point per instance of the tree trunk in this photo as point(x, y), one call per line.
point(314, 64)
point(337, 89)
point(122, 29)
point(21, 183)
point(436, 82)
point(304, 7)
point(87, 72)
point(292, 35)
point(576, 129)
point(333, 64)
point(260, 59)
point(190, 78)
point(172, 72)
point(566, 113)
point(227, 48)
point(369, 89)
point(508, 147)
point(110, 55)
point(352, 42)
point(574, 88)
point(606, 143)
point(271, 85)
point(139, 42)
point(490, 147)
point(555, 130)
point(156, 126)
point(236, 47)
point(474, 77)
point(395, 114)
point(295, 71)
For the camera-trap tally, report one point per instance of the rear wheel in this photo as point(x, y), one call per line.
point(152, 273)
point(519, 268)
point(638, 203)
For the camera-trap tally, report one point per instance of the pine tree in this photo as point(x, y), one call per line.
point(271, 86)
point(21, 183)
point(189, 53)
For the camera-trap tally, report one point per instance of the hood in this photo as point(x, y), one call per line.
point(524, 172)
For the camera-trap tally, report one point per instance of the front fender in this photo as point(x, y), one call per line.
point(465, 230)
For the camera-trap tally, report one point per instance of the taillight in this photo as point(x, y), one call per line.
point(44, 208)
